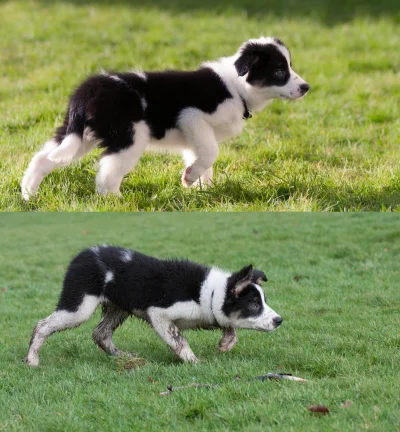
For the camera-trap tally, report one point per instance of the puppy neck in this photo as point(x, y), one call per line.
point(256, 98)
point(212, 298)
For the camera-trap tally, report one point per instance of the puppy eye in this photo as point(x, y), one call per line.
point(254, 306)
point(279, 73)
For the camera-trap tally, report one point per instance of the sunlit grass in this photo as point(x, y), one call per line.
point(338, 149)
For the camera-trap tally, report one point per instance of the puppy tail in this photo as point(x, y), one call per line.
point(67, 151)
point(70, 135)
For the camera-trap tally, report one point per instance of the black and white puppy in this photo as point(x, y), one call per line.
point(191, 112)
point(168, 294)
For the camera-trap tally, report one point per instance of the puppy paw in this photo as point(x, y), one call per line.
point(26, 192)
point(26, 196)
point(32, 361)
point(187, 177)
point(108, 193)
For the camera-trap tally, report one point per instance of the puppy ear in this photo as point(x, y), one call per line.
point(245, 61)
point(241, 279)
point(258, 276)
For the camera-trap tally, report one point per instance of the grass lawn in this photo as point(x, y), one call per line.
point(338, 149)
point(334, 279)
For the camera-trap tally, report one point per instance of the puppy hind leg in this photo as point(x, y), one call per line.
point(112, 317)
point(50, 157)
point(113, 166)
point(38, 168)
point(57, 321)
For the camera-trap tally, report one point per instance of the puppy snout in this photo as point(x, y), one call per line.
point(304, 88)
point(277, 320)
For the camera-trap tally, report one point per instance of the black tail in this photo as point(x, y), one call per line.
point(74, 122)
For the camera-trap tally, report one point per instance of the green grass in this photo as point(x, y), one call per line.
point(338, 149)
point(334, 279)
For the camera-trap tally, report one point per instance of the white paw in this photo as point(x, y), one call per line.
point(188, 179)
point(26, 196)
point(32, 361)
point(26, 192)
point(106, 192)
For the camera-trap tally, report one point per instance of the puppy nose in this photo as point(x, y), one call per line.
point(304, 88)
point(277, 321)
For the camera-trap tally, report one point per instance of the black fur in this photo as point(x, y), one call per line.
point(258, 276)
point(265, 65)
point(109, 105)
point(145, 281)
point(138, 284)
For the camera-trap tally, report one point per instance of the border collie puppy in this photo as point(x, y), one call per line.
point(170, 295)
point(191, 112)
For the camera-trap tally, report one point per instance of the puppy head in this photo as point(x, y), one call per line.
point(266, 64)
point(245, 305)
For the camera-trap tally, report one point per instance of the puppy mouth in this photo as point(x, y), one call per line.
point(264, 329)
point(292, 96)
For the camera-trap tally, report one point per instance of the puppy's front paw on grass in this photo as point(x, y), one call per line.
point(187, 177)
point(33, 361)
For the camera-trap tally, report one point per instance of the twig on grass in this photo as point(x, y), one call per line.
point(280, 376)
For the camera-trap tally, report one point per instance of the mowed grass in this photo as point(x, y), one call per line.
point(337, 149)
point(333, 278)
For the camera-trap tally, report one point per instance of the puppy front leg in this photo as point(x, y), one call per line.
point(189, 157)
point(169, 332)
point(228, 340)
point(204, 146)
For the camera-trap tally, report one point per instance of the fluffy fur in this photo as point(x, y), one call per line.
point(191, 112)
point(170, 295)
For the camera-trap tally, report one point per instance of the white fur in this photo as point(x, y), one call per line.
point(212, 296)
point(60, 320)
point(140, 74)
point(109, 277)
point(95, 249)
point(113, 167)
point(54, 156)
point(67, 150)
point(126, 256)
point(38, 168)
point(116, 78)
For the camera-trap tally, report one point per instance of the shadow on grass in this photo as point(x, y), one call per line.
point(329, 12)
point(323, 196)
point(140, 194)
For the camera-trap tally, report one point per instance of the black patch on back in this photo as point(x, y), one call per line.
point(110, 106)
point(248, 303)
point(265, 64)
point(168, 93)
point(83, 277)
point(138, 284)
